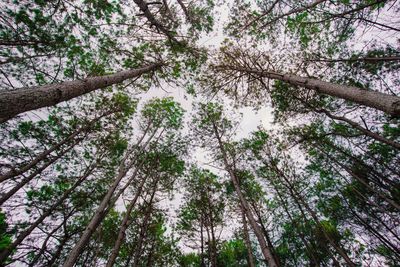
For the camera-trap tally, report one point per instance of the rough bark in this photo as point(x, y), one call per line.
point(17, 101)
point(387, 103)
point(267, 253)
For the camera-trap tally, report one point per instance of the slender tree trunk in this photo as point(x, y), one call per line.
point(365, 131)
point(250, 257)
point(377, 100)
point(42, 156)
point(268, 255)
point(27, 179)
point(265, 231)
point(107, 202)
point(298, 198)
point(185, 11)
point(314, 261)
point(361, 180)
point(50, 235)
point(371, 229)
point(124, 226)
point(144, 227)
point(150, 257)
point(365, 59)
point(297, 10)
point(57, 255)
point(96, 219)
point(213, 239)
point(14, 102)
point(7, 251)
point(202, 263)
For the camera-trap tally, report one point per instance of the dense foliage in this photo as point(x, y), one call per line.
point(123, 141)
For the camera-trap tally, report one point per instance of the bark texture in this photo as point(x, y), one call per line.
point(387, 103)
point(24, 99)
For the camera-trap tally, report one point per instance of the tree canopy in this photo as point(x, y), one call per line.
point(202, 133)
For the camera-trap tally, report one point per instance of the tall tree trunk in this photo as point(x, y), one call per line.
point(99, 215)
point(382, 195)
point(185, 11)
point(213, 239)
point(314, 261)
point(108, 199)
point(57, 254)
point(377, 100)
point(296, 10)
point(202, 263)
point(49, 235)
point(124, 226)
point(27, 179)
point(42, 156)
point(268, 255)
point(301, 202)
point(144, 227)
point(7, 251)
point(250, 257)
point(265, 231)
point(14, 102)
point(143, 6)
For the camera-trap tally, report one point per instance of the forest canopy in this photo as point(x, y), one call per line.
point(202, 133)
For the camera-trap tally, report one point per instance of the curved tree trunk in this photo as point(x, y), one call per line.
point(24, 99)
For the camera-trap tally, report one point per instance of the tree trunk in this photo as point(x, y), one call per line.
point(365, 131)
point(42, 156)
point(300, 200)
point(14, 102)
point(185, 11)
point(314, 261)
point(144, 227)
point(27, 179)
point(250, 257)
point(213, 239)
point(49, 235)
point(202, 263)
point(124, 226)
point(297, 10)
point(377, 100)
point(245, 206)
point(7, 251)
point(107, 201)
point(96, 219)
point(153, 21)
